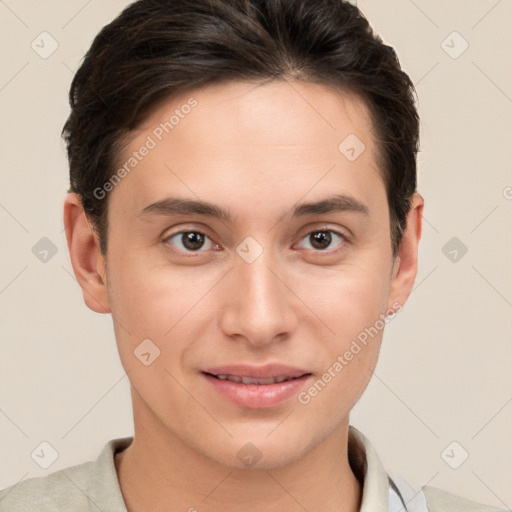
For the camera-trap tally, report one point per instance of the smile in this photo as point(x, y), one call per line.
point(256, 392)
point(252, 380)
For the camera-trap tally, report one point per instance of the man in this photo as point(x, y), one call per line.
point(243, 203)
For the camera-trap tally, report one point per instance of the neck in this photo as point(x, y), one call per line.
point(158, 471)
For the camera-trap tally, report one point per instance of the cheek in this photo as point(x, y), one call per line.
point(348, 299)
point(150, 293)
point(353, 307)
point(168, 305)
point(352, 304)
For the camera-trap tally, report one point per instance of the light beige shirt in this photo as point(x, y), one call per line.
point(94, 486)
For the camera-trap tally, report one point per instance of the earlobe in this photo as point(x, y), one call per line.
point(86, 258)
point(406, 263)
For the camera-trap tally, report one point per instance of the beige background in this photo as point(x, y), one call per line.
point(445, 368)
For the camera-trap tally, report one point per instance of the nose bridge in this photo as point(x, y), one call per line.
point(259, 307)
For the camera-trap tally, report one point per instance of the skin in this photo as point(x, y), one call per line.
point(256, 150)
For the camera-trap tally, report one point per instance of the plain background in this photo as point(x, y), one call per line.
point(445, 368)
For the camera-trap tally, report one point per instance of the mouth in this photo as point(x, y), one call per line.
point(256, 387)
point(253, 380)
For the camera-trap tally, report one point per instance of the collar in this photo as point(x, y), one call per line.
point(370, 472)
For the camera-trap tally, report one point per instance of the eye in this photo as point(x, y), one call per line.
point(322, 239)
point(190, 241)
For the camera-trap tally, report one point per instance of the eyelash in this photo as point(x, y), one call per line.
point(344, 240)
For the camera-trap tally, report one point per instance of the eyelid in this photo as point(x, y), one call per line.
point(343, 232)
point(198, 228)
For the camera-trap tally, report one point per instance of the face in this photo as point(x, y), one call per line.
point(270, 281)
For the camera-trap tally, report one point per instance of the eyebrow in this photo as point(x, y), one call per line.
point(179, 206)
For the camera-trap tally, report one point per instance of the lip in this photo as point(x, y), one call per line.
point(257, 372)
point(257, 396)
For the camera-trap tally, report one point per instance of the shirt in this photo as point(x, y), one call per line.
point(94, 486)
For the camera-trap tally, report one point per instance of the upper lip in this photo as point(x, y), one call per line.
point(257, 372)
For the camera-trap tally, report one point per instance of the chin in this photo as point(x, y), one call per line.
point(255, 454)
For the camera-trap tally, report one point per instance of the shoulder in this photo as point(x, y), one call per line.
point(58, 491)
point(444, 501)
point(92, 485)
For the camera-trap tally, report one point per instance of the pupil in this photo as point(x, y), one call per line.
point(321, 239)
point(192, 240)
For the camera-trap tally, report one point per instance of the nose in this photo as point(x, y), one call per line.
point(260, 307)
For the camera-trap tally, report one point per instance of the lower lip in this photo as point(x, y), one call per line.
point(257, 396)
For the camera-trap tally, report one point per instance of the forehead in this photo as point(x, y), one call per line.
point(277, 112)
point(251, 137)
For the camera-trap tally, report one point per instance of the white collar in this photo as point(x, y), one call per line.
point(378, 492)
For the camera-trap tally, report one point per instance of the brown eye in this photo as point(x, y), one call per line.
point(320, 239)
point(189, 241)
point(192, 240)
point(324, 239)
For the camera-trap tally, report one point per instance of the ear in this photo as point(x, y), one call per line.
point(405, 265)
point(86, 258)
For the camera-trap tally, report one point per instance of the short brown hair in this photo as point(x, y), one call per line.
point(156, 48)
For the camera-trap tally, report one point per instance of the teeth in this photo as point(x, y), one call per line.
point(249, 380)
point(270, 380)
point(252, 380)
